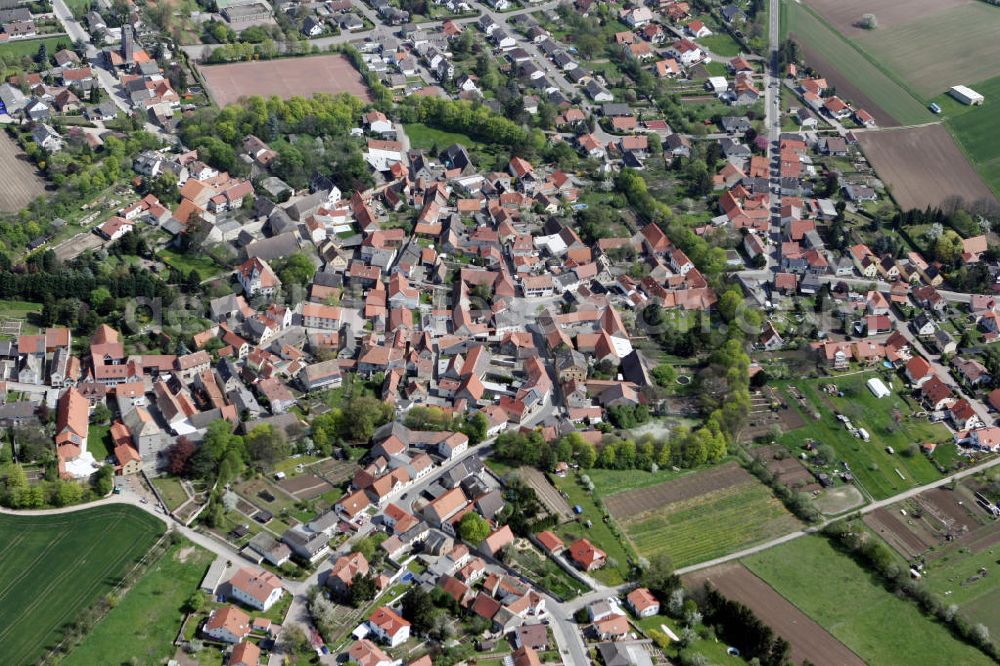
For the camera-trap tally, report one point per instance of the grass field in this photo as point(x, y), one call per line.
point(142, 627)
point(956, 574)
point(721, 44)
point(610, 481)
point(22, 311)
point(29, 47)
point(966, 48)
point(977, 129)
point(425, 137)
point(711, 524)
point(846, 600)
point(855, 75)
point(599, 533)
point(873, 467)
point(186, 263)
point(171, 490)
point(53, 567)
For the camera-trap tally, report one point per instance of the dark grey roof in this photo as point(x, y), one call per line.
point(282, 245)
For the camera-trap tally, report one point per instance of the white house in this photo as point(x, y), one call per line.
point(256, 277)
point(383, 154)
point(114, 228)
point(256, 588)
point(47, 138)
point(637, 17)
point(697, 28)
point(686, 52)
point(454, 445)
point(388, 626)
point(377, 122)
point(503, 40)
point(228, 624)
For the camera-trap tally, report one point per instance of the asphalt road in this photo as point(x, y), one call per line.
point(107, 79)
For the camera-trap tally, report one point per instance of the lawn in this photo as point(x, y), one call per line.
point(874, 468)
point(186, 263)
point(22, 311)
point(848, 601)
point(142, 627)
point(99, 441)
point(711, 648)
point(29, 47)
point(54, 567)
point(171, 491)
point(425, 137)
point(599, 533)
point(702, 527)
point(288, 465)
point(852, 64)
point(78, 7)
point(721, 44)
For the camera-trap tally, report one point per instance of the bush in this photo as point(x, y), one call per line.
point(868, 22)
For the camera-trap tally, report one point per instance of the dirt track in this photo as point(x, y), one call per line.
point(808, 639)
point(635, 502)
point(923, 165)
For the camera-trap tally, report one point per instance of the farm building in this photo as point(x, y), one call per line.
point(966, 95)
point(878, 388)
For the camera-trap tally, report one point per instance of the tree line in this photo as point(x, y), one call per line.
point(851, 536)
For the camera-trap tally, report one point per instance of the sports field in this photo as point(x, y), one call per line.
point(285, 78)
point(157, 599)
point(856, 78)
point(54, 567)
point(847, 601)
point(700, 516)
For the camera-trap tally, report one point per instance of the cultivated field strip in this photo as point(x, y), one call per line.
point(808, 639)
point(923, 165)
point(631, 503)
point(712, 525)
point(61, 564)
point(19, 183)
point(700, 516)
